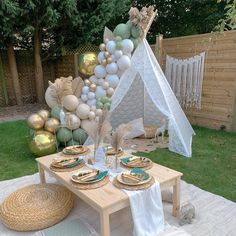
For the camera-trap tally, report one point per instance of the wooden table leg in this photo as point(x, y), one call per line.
point(176, 198)
point(41, 174)
point(105, 224)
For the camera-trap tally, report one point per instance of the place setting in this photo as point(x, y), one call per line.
point(131, 162)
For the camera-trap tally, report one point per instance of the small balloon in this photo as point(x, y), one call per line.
point(100, 82)
point(44, 114)
point(82, 111)
point(91, 102)
point(99, 112)
point(109, 60)
point(84, 97)
point(100, 71)
point(93, 79)
point(105, 85)
point(101, 56)
point(104, 62)
point(124, 62)
point(93, 108)
point(127, 46)
point(100, 92)
point(85, 90)
point(106, 40)
point(111, 46)
point(52, 125)
point(87, 62)
point(92, 115)
point(112, 68)
point(102, 47)
point(113, 80)
point(87, 82)
point(91, 95)
point(93, 87)
point(110, 92)
point(118, 54)
point(35, 121)
point(106, 54)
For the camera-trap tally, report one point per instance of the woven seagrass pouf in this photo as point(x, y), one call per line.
point(36, 207)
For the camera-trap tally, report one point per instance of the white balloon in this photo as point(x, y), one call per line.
point(92, 115)
point(93, 108)
point(120, 72)
point(124, 62)
point(127, 46)
point(91, 95)
point(85, 90)
point(98, 112)
point(72, 121)
point(118, 54)
point(82, 111)
point(100, 92)
point(93, 79)
point(112, 68)
point(91, 102)
point(70, 102)
point(105, 85)
point(113, 80)
point(128, 54)
point(100, 82)
point(84, 97)
point(101, 56)
point(110, 92)
point(111, 46)
point(100, 71)
point(113, 58)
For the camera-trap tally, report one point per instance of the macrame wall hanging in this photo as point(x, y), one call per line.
point(185, 78)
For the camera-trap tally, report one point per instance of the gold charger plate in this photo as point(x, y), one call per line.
point(75, 150)
point(121, 180)
point(112, 152)
point(145, 162)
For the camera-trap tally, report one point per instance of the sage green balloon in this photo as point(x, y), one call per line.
point(80, 136)
point(107, 106)
point(122, 30)
point(135, 32)
point(64, 135)
point(136, 42)
point(99, 105)
point(129, 23)
point(55, 112)
point(117, 39)
point(72, 143)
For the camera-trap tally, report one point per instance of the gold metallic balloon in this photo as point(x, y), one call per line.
point(109, 60)
point(52, 125)
point(35, 121)
point(104, 62)
point(42, 143)
point(102, 47)
point(87, 63)
point(44, 114)
point(87, 82)
point(106, 54)
point(93, 87)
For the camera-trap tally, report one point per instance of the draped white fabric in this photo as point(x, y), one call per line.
point(143, 91)
point(185, 78)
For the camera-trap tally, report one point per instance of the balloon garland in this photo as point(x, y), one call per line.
point(75, 102)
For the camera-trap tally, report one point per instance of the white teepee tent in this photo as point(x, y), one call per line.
point(143, 91)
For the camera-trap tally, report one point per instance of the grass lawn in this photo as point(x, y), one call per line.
point(212, 166)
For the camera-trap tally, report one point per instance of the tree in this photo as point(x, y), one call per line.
point(9, 13)
point(40, 18)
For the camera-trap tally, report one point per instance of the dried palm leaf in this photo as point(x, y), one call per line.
point(77, 85)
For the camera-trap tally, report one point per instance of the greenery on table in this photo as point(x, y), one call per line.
point(211, 168)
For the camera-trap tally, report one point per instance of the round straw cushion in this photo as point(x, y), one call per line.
point(36, 207)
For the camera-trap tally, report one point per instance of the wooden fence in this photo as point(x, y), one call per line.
point(219, 84)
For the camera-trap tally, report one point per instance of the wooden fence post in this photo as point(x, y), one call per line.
point(3, 82)
point(159, 49)
point(76, 72)
point(234, 111)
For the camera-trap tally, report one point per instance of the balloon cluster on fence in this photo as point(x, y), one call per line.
point(74, 102)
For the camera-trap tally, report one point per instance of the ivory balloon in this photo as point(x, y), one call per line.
point(104, 62)
point(87, 62)
point(110, 92)
point(82, 111)
point(111, 46)
point(112, 68)
point(43, 143)
point(100, 92)
point(85, 90)
point(93, 87)
point(52, 125)
point(106, 40)
point(35, 121)
point(87, 82)
point(106, 54)
point(100, 82)
point(124, 62)
point(109, 60)
point(98, 112)
point(102, 46)
point(93, 108)
point(44, 114)
point(72, 121)
point(113, 80)
point(100, 71)
point(70, 102)
point(92, 115)
point(118, 54)
point(93, 79)
point(105, 85)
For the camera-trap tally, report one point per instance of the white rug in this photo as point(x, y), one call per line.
point(215, 215)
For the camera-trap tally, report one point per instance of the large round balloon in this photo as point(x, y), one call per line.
point(82, 111)
point(72, 143)
point(124, 62)
point(80, 136)
point(42, 143)
point(87, 62)
point(50, 100)
point(64, 135)
point(52, 125)
point(127, 46)
point(35, 121)
point(100, 92)
point(70, 102)
point(113, 80)
point(44, 114)
point(136, 32)
point(112, 68)
point(122, 30)
point(72, 121)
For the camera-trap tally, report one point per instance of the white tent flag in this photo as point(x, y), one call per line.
point(185, 78)
point(144, 92)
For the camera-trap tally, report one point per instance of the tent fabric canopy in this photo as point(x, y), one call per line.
point(143, 91)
